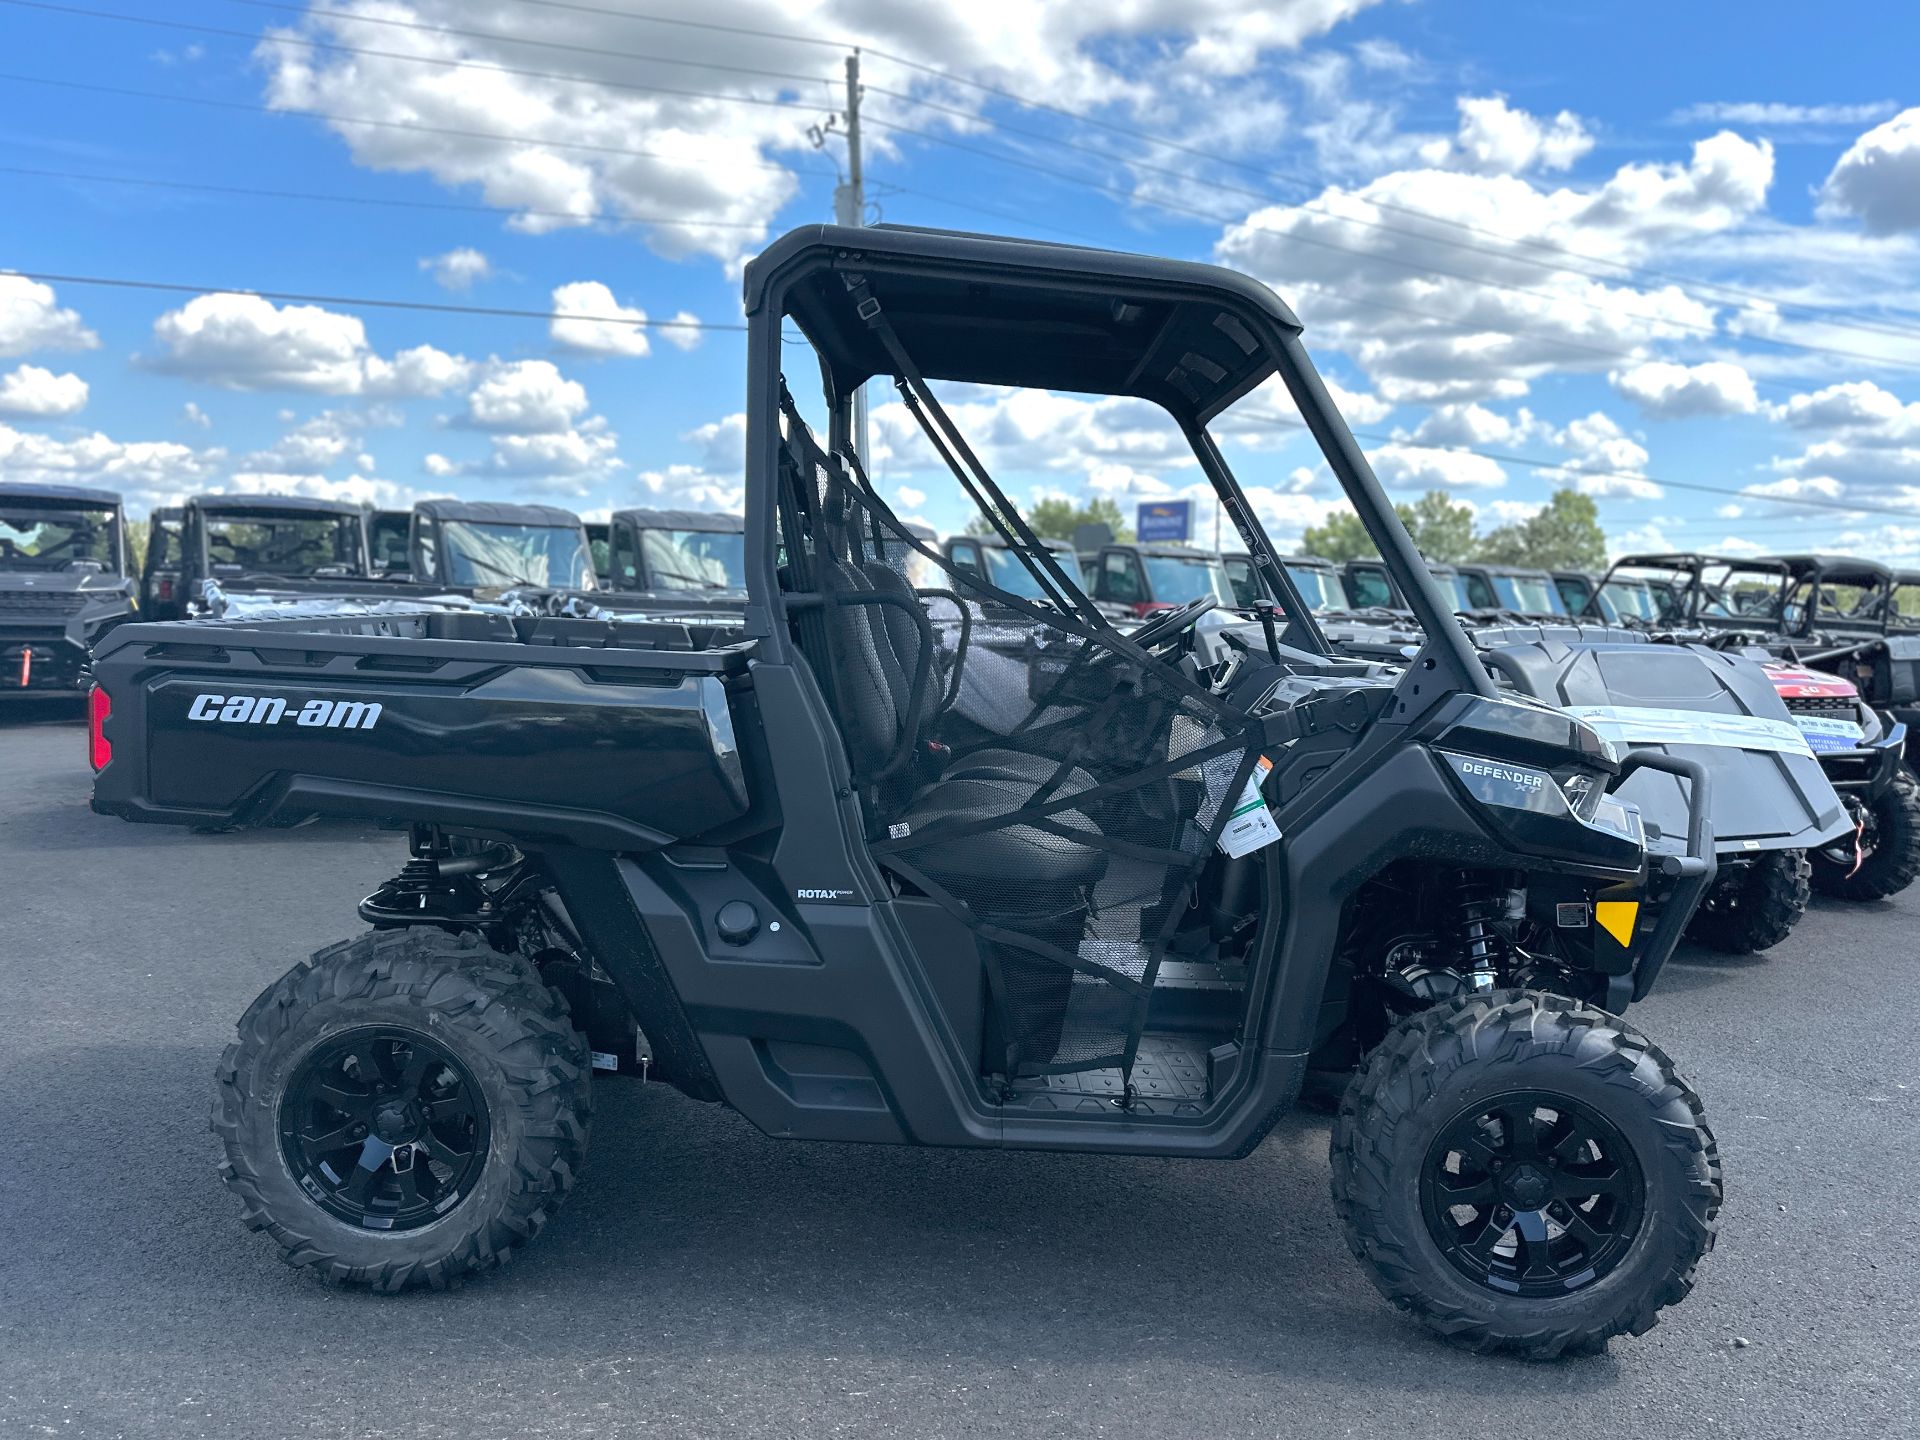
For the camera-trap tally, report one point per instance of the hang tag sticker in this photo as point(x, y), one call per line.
point(1250, 824)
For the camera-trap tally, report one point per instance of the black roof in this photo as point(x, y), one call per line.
point(1096, 321)
point(714, 521)
point(251, 503)
point(491, 512)
point(1311, 562)
point(70, 493)
point(1833, 567)
point(1180, 552)
point(1690, 559)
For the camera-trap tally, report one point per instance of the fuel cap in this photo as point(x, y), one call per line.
point(737, 923)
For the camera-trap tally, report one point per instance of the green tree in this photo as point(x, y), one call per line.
point(1442, 530)
point(1056, 518)
point(1564, 534)
point(1340, 537)
point(137, 532)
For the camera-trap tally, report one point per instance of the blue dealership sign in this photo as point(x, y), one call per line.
point(1165, 520)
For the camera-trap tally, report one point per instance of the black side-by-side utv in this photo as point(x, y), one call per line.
point(1101, 897)
point(64, 583)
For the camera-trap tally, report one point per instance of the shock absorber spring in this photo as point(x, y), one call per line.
point(1482, 902)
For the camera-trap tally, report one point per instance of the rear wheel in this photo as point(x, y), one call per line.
point(1754, 904)
point(403, 1109)
point(1523, 1172)
point(1887, 857)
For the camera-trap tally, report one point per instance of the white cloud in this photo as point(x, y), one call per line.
point(458, 269)
point(354, 489)
point(1496, 139)
point(195, 416)
point(615, 329)
point(691, 488)
point(684, 333)
point(1365, 268)
point(145, 472)
point(525, 397)
point(1850, 405)
point(1670, 391)
point(722, 442)
point(1775, 114)
point(32, 319)
point(706, 173)
point(1878, 179)
point(29, 391)
point(1793, 487)
point(243, 342)
point(1420, 467)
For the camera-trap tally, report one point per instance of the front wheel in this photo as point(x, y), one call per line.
point(403, 1109)
point(1754, 903)
point(1884, 857)
point(1523, 1172)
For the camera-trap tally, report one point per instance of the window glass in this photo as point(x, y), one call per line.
point(1240, 577)
point(624, 563)
point(1182, 579)
point(1006, 571)
point(1119, 578)
point(1368, 587)
point(1475, 593)
point(488, 555)
point(282, 545)
point(694, 559)
point(35, 537)
point(1528, 594)
point(1321, 589)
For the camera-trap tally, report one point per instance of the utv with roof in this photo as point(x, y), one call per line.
point(389, 538)
point(64, 584)
point(677, 559)
point(1318, 581)
point(1821, 627)
point(1370, 587)
point(257, 552)
point(1510, 590)
point(1119, 912)
point(487, 547)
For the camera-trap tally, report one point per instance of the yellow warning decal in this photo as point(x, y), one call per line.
point(1616, 917)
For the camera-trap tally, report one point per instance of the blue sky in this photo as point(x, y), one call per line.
point(1644, 247)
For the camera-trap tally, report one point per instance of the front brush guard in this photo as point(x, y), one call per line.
point(1691, 872)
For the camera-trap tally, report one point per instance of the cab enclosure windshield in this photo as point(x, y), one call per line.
point(58, 535)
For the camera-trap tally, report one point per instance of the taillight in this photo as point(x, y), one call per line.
point(99, 748)
point(166, 589)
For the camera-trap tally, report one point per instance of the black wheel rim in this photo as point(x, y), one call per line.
point(1532, 1194)
point(384, 1128)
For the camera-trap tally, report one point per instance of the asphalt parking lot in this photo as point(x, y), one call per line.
point(707, 1280)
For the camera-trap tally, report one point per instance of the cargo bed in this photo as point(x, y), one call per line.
point(612, 735)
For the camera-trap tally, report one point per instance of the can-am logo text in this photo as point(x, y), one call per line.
point(272, 710)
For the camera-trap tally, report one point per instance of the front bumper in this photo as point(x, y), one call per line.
point(1865, 772)
point(38, 664)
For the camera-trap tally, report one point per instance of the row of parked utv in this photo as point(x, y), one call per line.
point(992, 843)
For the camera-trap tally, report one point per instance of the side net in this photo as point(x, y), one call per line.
point(1021, 761)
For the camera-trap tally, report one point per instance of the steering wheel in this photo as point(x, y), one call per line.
point(1173, 622)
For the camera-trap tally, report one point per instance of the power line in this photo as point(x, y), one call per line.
point(252, 192)
point(1306, 182)
point(407, 125)
point(997, 157)
point(561, 45)
point(361, 302)
point(402, 56)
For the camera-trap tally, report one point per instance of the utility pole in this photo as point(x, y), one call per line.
point(850, 208)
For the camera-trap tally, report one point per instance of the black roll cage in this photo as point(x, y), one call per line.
point(1793, 571)
point(907, 305)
